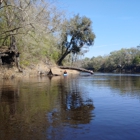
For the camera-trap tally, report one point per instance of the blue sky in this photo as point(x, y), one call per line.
point(116, 23)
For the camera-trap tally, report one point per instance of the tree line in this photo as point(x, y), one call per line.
point(124, 60)
point(42, 31)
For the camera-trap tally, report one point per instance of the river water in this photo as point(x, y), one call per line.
point(75, 107)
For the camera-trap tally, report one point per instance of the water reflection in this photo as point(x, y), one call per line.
point(75, 107)
point(41, 108)
point(126, 84)
point(61, 108)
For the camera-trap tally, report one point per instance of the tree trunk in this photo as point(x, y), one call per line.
point(17, 62)
point(59, 62)
point(13, 48)
point(0, 60)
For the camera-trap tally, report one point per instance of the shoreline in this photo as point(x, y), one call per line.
point(7, 72)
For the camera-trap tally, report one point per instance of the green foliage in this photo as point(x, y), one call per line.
point(34, 26)
point(76, 33)
point(123, 59)
point(25, 63)
point(55, 56)
point(136, 60)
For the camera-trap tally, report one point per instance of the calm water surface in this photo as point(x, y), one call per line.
point(96, 107)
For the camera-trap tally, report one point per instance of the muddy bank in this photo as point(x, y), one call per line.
point(7, 72)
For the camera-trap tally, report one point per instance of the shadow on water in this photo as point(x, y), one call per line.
point(42, 108)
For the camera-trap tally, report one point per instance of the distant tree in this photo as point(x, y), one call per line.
point(136, 60)
point(76, 34)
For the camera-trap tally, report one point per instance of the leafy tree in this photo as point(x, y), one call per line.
point(76, 34)
point(123, 59)
point(136, 60)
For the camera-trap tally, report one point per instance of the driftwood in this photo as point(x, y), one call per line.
point(78, 69)
point(50, 73)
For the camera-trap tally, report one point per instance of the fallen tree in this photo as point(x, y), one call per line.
point(78, 69)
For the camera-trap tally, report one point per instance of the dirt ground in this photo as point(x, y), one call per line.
point(41, 69)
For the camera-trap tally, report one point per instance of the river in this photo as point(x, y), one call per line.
point(102, 106)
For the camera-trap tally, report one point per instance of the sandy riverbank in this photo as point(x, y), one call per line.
point(41, 69)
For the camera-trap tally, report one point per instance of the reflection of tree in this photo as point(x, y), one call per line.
point(74, 108)
point(126, 84)
point(9, 97)
point(77, 112)
point(23, 108)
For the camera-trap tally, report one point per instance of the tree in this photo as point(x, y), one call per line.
point(136, 60)
point(34, 24)
point(76, 34)
point(25, 17)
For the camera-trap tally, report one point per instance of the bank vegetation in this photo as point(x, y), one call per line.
point(36, 35)
point(37, 31)
point(124, 60)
